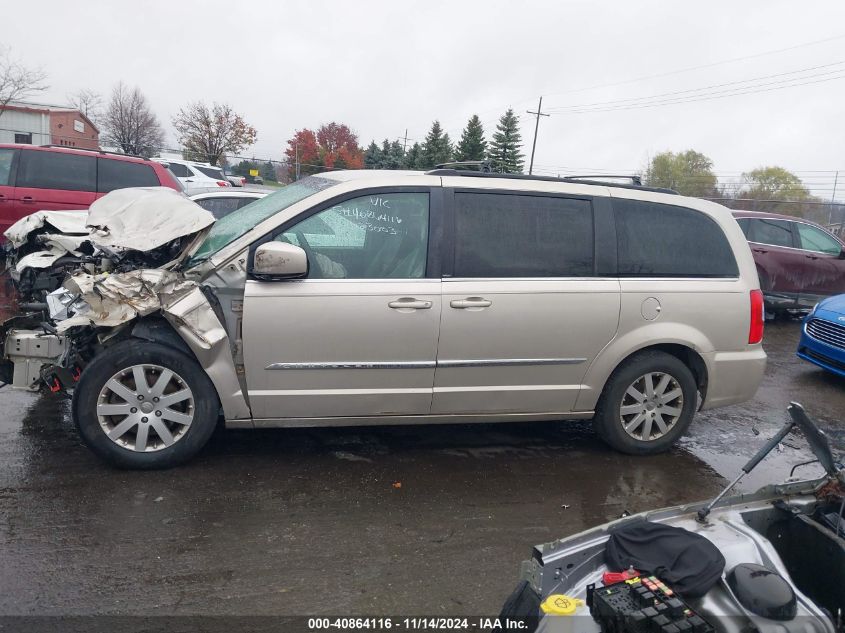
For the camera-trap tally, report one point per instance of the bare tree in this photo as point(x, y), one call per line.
point(130, 124)
point(89, 103)
point(16, 80)
point(210, 133)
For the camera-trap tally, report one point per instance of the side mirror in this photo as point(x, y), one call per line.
point(279, 260)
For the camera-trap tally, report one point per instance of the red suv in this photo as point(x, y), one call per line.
point(43, 178)
point(799, 263)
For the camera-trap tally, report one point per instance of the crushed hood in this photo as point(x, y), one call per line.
point(144, 218)
point(60, 222)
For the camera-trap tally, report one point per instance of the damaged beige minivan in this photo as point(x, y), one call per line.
point(373, 298)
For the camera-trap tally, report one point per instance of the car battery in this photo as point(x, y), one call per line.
point(29, 351)
point(643, 604)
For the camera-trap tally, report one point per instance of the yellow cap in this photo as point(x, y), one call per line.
point(559, 604)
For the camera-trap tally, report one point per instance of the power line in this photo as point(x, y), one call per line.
point(710, 87)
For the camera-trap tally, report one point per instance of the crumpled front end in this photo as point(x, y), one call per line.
point(90, 312)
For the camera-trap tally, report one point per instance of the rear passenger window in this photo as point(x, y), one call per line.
point(500, 235)
point(118, 174)
point(178, 170)
point(661, 240)
point(220, 207)
point(773, 232)
point(57, 170)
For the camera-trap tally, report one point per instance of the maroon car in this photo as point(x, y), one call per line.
point(49, 178)
point(799, 262)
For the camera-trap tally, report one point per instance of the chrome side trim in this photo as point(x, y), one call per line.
point(426, 364)
point(411, 364)
point(509, 362)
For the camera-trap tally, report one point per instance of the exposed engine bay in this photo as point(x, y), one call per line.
point(769, 561)
point(84, 278)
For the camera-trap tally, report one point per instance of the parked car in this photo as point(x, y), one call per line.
point(195, 175)
point(378, 297)
point(46, 178)
point(235, 179)
point(798, 262)
point(823, 335)
point(254, 180)
point(222, 203)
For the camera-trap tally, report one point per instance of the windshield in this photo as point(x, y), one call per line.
point(238, 223)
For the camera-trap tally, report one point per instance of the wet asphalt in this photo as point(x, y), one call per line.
point(402, 520)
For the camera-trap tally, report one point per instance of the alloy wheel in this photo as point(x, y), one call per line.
point(651, 406)
point(145, 408)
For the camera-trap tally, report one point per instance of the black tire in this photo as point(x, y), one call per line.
point(204, 406)
point(608, 420)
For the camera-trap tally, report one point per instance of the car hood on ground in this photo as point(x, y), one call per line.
point(834, 305)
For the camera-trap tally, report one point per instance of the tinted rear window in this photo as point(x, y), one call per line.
point(119, 174)
point(661, 240)
point(498, 235)
point(771, 231)
point(211, 172)
point(57, 170)
point(178, 170)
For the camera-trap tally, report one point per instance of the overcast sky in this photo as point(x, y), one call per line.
point(382, 67)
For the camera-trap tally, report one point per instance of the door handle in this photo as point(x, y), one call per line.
point(470, 302)
point(760, 250)
point(2, 198)
point(409, 303)
point(811, 256)
point(27, 199)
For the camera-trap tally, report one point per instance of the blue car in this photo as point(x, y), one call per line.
point(823, 335)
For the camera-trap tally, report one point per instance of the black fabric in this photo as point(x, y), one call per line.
point(687, 562)
point(523, 605)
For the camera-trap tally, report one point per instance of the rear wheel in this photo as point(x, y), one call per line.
point(143, 405)
point(647, 404)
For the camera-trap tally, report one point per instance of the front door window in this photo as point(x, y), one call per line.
point(379, 236)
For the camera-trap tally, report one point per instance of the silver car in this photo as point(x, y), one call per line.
point(375, 298)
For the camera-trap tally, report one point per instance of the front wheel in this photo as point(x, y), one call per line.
point(143, 405)
point(647, 404)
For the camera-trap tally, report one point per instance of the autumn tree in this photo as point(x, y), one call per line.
point(689, 173)
point(505, 151)
point(18, 81)
point(776, 190)
point(472, 145)
point(130, 125)
point(332, 146)
point(436, 149)
point(209, 132)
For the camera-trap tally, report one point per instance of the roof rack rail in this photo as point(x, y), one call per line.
point(581, 180)
point(483, 166)
point(88, 149)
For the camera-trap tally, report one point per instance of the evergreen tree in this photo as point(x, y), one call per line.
point(394, 155)
point(412, 157)
point(372, 156)
point(268, 171)
point(505, 153)
point(437, 147)
point(472, 145)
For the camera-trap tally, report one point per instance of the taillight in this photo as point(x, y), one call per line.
point(758, 317)
point(221, 183)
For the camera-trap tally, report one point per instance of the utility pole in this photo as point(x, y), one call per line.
point(405, 142)
point(296, 154)
point(833, 199)
point(538, 113)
